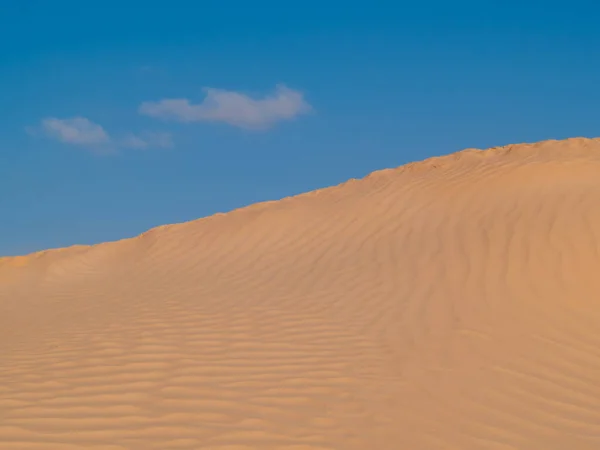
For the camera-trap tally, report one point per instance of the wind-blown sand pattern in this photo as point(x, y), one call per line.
point(452, 303)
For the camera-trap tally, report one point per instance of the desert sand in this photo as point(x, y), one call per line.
point(452, 303)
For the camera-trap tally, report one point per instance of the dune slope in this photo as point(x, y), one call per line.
point(452, 303)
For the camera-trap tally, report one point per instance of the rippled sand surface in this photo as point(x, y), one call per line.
point(447, 304)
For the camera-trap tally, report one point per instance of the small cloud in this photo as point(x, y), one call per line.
point(147, 140)
point(83, 132)
point(76, 130)
point(133, 141)
point(232, 107)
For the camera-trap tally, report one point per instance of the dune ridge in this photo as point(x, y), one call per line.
point(451, 303)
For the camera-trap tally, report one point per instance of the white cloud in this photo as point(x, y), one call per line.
point(232, 107)
point(147, 140)
point(76, 130)
point(134, 141)
point(85, 133)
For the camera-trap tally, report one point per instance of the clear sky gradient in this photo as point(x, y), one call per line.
point(118, 116)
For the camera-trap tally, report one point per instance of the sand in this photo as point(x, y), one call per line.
point(452, 303)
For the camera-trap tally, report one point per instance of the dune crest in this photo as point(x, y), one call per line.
point(452, 303)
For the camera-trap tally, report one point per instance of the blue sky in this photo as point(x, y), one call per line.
point(118, 116)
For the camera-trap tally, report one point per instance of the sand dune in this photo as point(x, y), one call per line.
point(452, 303)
